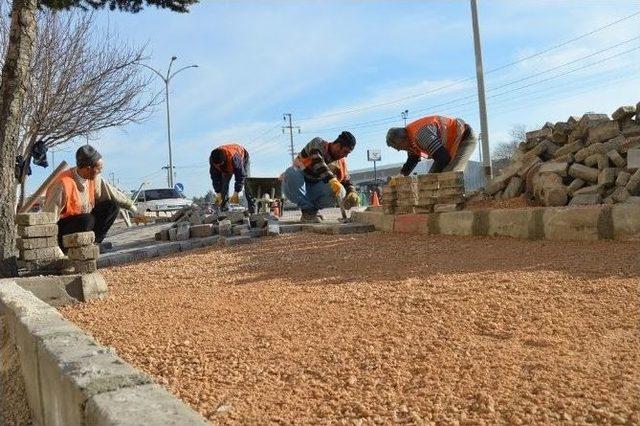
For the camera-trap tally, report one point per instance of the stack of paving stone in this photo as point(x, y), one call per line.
point(389, 199)
point(407, 194)
point(586, 160)
point(224, 224)
point(439, 192)
point(38, 242)
point(81, 251)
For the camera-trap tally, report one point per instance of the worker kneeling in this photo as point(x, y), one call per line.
point(319, 177)
point(226, 161)
point(82, 200)
point(448, 141)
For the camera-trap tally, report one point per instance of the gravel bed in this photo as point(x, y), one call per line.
point(382, 328)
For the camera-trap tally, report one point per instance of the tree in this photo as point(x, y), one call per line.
point(505, 151)
point(79, 84)
point(208, 198)
point(15, 78)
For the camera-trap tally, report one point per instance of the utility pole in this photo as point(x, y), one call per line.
point(405, 115)
point(486, 158)
point(290, 127)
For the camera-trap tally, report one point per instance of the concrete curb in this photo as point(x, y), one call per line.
point(71, 380)
point(585, 223)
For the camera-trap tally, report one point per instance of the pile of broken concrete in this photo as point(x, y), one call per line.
point(586, 160)
point(192, 222)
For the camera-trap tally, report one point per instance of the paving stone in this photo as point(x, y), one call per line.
point(633, 186)
point(290, 228)
point(538, 135)
point(85, 266)
point(224, 227)
point(456, 223)
point(29, 219)
point(633, 159)
point(593, 189)
point(78, 239)
point(623, 178)
point(624, 112)
point(515, 223)
point(603, 162)
point(149, 402)
point(596, 148)
point(586, 200)
point(607, 177)
point(233, 241)
point(575, 185)
point(381, 222)
point(560, 133)
point(571, 148)
point(411, 223)
point(37, 231)
point(340, 228)
point(602, 132)
point(553, 167)
point(514, 188)
point(200, 231)
point(47, 253)
point(631, 129)
point(237, 229)
point(616, 158)
point(583, 172)
point(586, 223)
point(620, 195)
point(84, 253)
point(36, 243)
point(626, 221)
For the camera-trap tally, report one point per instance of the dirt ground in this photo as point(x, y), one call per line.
point(14, 410)
point(381, 328)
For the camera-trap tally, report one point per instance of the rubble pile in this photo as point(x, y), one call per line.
point(586, 160)
point(191, 222)
point(37, 243)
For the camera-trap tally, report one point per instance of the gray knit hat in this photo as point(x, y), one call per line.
point(87, 156)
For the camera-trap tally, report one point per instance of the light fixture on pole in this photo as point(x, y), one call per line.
point(405, 115)
point(167, 80)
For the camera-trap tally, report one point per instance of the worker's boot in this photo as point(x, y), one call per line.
point(310, 216)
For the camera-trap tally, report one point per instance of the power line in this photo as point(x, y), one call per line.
point(457, 82)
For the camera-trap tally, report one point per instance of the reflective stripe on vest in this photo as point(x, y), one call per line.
point(450, 130)
point(73, 205)
point(229, 151)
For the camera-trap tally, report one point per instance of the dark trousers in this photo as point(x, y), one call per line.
point(99, 221)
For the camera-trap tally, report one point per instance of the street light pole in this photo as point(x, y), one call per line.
point(167, 79)
point(405, 115)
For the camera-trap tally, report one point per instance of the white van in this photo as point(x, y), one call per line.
point(161, 200)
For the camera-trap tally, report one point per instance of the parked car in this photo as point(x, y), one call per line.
point(161, 199)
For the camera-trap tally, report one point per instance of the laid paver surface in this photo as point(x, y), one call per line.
point(385, 328)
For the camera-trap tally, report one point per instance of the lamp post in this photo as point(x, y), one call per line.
point(167, 80)
point(405, 115)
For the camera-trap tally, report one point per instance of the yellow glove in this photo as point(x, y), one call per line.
point(336, 187)
point(218, 200)
point(351, 200)
point(394, 180)
point(235, 199)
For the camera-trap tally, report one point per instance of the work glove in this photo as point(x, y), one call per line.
point(337, 188)
point(218, 200)
point(351, 200)
point(235, 199)
point(394, 180)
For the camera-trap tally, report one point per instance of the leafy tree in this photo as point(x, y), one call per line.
point(15, 79)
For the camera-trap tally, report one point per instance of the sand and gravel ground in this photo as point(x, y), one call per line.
point(385, 328)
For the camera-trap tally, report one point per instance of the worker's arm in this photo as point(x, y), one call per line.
point(441, 159)
point(239, 173)
point(216, 179)
point(105, 191)
point(410, 164)
point(318, 166)
point(55, 200)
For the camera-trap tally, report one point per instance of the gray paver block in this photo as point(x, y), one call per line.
point(340, 228)
point(586, 200)
point(515, 223)
point(381, 222)
point(89, 252)
point(149, 402)
point(37, 231)
point(456, 223)
point(233, 241)
point(633, 159)
point(200, 231)
point(41, 218)
point(78, 239)
point(85, 266)
point(583, 172)
point(73, 368)
point(626, 221)
point(36, 243)
point(587, 223)
point(93, 286)
point(47, 253)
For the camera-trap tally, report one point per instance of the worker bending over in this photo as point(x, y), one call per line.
point(448, 141)
point(319, 177)
point(82, 200)
point(226, 161)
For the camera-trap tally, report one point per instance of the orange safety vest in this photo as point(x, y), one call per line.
point(450, 129)
point(229, 151)
point(73, 205)
point(338, 167)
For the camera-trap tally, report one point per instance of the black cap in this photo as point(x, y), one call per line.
point(347, 139)
point(217, 156)
point(87, 156)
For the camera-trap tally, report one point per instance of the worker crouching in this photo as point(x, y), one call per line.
point(319, 178)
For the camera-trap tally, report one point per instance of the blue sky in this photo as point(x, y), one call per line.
point(355, 65)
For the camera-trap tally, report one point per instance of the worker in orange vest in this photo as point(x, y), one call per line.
point(82, 200)
point(448, 141)
point(319, 176)
point(226, 161)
